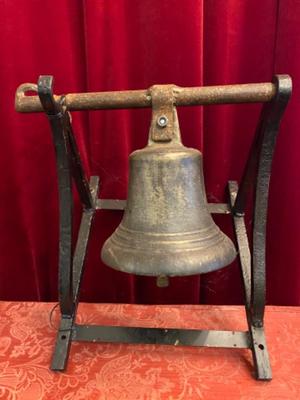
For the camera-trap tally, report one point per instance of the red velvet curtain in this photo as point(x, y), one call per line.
point(96, 45)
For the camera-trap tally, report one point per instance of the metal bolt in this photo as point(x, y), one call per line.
point(162, 121)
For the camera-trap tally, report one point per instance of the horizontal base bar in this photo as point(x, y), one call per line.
point(177, 337)
point(112, 204)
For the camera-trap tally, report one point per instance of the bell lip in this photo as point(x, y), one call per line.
point(130, 265)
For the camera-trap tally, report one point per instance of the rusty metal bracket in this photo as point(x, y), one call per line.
point(162, 123)
point(163, 99)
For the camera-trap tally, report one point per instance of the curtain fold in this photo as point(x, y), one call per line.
point(100, 45)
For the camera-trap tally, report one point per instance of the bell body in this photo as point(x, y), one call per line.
point(167, 228)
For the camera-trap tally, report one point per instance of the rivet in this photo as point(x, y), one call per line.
point(162, 121)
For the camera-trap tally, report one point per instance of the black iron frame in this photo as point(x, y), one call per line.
point(71, 266)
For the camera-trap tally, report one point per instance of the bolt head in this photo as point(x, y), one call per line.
point(162, 121)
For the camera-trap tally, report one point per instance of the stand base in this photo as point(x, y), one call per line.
point(175, 337)
point(253, 339)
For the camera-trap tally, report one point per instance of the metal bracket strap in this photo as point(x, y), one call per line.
point(257, 173)
point(55, 115)
point(162, 123)
point(270, 132)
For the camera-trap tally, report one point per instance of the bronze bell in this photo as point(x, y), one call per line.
point(167, 229)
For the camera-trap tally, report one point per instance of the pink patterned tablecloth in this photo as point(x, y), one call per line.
point(119, 371)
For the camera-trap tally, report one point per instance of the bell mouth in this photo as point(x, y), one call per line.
point(167, 254)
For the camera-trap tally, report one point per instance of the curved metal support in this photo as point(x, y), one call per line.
point(257, 172)
point(55, 114)
point(269, 131)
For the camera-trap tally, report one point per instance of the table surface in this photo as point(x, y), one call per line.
point(119, 371)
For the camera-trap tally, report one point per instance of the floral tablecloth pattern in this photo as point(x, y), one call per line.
point(144, 372)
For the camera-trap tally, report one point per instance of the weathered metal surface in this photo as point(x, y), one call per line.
point(83, 238)
point(55, 115)
point(167, 229)
point(162, 124)
point(68, 165)
point(62, 344)
point(110, 204)
point(243, 245)
point(269, 132)
point(263, 371)
point(244, 93)
point(175, 337)
point(56, 118)
point(64, 337)
point(77, 170)
point(114, 204)
point(258, 170)
point(257, 335)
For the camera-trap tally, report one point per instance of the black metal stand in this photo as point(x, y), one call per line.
point(71, 267)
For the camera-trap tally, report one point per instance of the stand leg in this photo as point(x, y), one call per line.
point(55, 115)
point(259, 165)
point(64, 334)
point(270, 132)
point(257, 334)
point(68, 164)
point(62, 344)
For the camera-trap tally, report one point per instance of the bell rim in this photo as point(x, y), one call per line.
point(195, 261)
